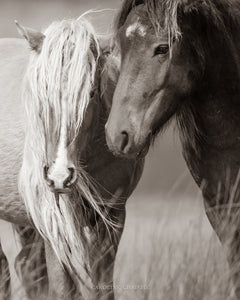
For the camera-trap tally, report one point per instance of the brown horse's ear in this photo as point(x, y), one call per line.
point(34, 38)
point(106, 43)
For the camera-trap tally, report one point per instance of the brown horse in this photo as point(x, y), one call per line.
point(182, 59)
point(74, 189)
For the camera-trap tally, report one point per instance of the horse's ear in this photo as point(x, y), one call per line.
point(34, 38)
point(106, 43)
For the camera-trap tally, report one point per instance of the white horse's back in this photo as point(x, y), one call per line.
point(14, 55)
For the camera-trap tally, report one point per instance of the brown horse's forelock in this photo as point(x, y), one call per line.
point(168, 14)
point(162, 15)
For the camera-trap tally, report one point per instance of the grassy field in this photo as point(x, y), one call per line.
point(169, 249)
point(168, 252)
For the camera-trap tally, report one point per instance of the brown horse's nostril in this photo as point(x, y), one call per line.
point(124, 141)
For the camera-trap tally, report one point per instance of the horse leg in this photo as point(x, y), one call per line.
point(5, 283)
point(30, 263)
point(13, 210)
point(103, 253)
point(226, 223)
point(61, 286)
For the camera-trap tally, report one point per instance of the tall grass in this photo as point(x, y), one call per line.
point(169, 252)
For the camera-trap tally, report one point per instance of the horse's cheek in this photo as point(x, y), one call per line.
point(180, 79)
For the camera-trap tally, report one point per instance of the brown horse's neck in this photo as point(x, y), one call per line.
point(95, 133)
point(209, 122)
point(106, 78)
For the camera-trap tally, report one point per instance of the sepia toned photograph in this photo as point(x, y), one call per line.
point(120, 149)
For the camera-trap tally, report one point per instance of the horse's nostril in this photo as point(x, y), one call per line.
point(50, 182)
point(59, 179)
point(70, 180)
point(125, 139)
point(71, 170)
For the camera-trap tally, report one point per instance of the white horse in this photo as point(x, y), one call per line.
point(74, 189)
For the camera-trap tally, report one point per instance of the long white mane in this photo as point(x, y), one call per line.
point(65, 67)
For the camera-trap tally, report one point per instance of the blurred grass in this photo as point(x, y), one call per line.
point(169, 252)
point(173, 252)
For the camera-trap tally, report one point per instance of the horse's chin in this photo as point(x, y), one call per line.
point(61, 191)
point(144, 151)
point(65, 194)
point(135, 152)
point(141, 149)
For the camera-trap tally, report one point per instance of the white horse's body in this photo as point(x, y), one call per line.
point(14, 54)
point(13, 62)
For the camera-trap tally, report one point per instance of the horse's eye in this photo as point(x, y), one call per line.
point(161, 49)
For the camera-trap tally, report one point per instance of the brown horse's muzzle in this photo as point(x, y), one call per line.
point(122, 143)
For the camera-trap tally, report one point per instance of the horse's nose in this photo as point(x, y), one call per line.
point(123, 141)
point(118, 143)
point(60, 179)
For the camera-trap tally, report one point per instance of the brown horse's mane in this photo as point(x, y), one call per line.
point(223, 14)
point(209, 8)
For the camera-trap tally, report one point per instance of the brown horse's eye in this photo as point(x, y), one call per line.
point(161, 49)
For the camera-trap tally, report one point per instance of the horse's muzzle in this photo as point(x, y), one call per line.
point(60, 182)
point(123, 145)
